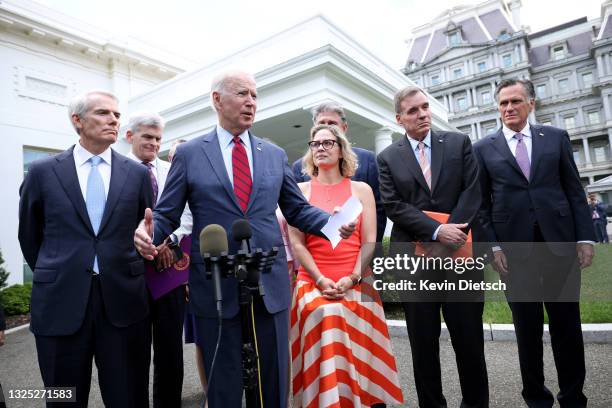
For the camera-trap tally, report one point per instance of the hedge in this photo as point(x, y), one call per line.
point(16, 299)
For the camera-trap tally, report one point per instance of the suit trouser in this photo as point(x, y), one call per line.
point(225, 386)
point(167, 316)
point(564, 325)
point(122, 356)
point(601, 235)
point(464, 322)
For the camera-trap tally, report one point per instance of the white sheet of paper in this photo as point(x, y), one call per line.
point(348, 213)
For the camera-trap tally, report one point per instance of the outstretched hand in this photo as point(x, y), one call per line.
point(143, 237)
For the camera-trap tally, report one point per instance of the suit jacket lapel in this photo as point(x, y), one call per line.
point(538, 142)
point(408, 156)
point(258, 165)
point(66, 173)
point(437, 158)
point(213, 152)
point(120, 173)
point(501, 145)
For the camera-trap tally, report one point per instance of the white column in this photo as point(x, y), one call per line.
point(498, 122)
point(610, 141)
point(608, 65)
point(587, 153)
point(606, 104)
point(600, 67)
point(473, 131)
point(382, 139)
point(580, 118)
point(446, 103)
point(478, 131)
point(474, 97)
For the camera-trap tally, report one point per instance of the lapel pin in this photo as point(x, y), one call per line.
point(541, 134)
point(259, 147)
point(439, 140)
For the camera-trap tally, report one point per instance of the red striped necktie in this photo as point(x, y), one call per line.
point(243, 183)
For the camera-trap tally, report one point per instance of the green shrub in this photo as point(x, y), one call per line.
point(16, 299)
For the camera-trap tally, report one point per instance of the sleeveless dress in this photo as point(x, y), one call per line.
point(341, 351)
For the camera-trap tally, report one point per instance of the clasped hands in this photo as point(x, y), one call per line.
point(334, 290)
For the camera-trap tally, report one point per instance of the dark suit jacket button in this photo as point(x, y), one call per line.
point(433, 202)
point(97, 239)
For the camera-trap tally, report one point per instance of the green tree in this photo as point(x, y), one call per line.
point(3, 272)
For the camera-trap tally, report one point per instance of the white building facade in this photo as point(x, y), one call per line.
point(47, 58)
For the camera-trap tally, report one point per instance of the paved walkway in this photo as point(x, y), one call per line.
point(19, 369)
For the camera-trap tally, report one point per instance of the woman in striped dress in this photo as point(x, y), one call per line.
point(341, 352)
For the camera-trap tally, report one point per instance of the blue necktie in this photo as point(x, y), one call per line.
point(95, 199)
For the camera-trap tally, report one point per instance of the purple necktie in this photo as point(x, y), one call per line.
point(153, 181)
point(522, 158)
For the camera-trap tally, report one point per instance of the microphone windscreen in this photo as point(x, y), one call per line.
point(213, 240)
point(241, 229)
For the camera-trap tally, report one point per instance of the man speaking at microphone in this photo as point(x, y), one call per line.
point(226, 175)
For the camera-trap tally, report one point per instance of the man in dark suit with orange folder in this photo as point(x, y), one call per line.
point(435, 171)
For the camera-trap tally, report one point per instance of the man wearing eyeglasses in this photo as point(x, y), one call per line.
point(331, 113)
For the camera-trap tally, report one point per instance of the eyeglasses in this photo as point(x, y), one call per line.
point(327, 144)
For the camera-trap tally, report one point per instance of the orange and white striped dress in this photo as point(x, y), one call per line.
point(341, 351)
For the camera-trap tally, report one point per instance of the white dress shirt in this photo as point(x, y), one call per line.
point(83, 167)
point(513, 141)
point(226, 144)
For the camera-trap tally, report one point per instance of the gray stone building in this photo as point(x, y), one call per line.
point(461, 55)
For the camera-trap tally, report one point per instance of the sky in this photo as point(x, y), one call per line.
point(204, 30)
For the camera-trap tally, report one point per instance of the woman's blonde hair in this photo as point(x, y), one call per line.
point(348, 162)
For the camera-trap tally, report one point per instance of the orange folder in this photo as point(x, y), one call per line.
point(463, 252)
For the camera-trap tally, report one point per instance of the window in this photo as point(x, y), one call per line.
point(563, 85)
point(485, 97)
point(503, 35)
point(481, 66)
point(541, 91)
point(587, 79)
point(558, 52)
point(507, 60)
point(454, 38)
point(31, 154)
point(457, 73)
point(462, 103)
point(577, 156)
point(546, 122)
point(569, 122)
point(434, 79)
point(488, 129)
point(599, 153)
point(593, 117)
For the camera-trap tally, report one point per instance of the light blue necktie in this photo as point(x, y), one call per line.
point(95, 199)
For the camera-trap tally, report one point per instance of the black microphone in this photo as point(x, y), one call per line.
point(213, 241)
point(241, 231)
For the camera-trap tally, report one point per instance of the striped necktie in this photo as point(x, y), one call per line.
point(243, 183)
point(154, 185)
point(424, 163)
point(95, 199)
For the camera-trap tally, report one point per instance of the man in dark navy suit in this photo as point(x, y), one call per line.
point(534, 209)
point(77, 213)
point(226, 175)
point(331, 113)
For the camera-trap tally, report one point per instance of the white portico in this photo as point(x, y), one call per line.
point(295, 70)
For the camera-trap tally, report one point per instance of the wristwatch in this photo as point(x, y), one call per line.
point(355, 278)
point(174, 246)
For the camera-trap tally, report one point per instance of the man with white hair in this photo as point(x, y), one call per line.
point(227, 175)
point(144, 133)
point(89, 298)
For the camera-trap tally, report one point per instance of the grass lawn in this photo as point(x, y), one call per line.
point(596, 294)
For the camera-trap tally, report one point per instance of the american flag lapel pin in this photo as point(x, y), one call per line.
point(258, 147)
point(541, 134)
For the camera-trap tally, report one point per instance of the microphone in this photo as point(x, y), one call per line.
point(241, 231)
point(213, 242)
